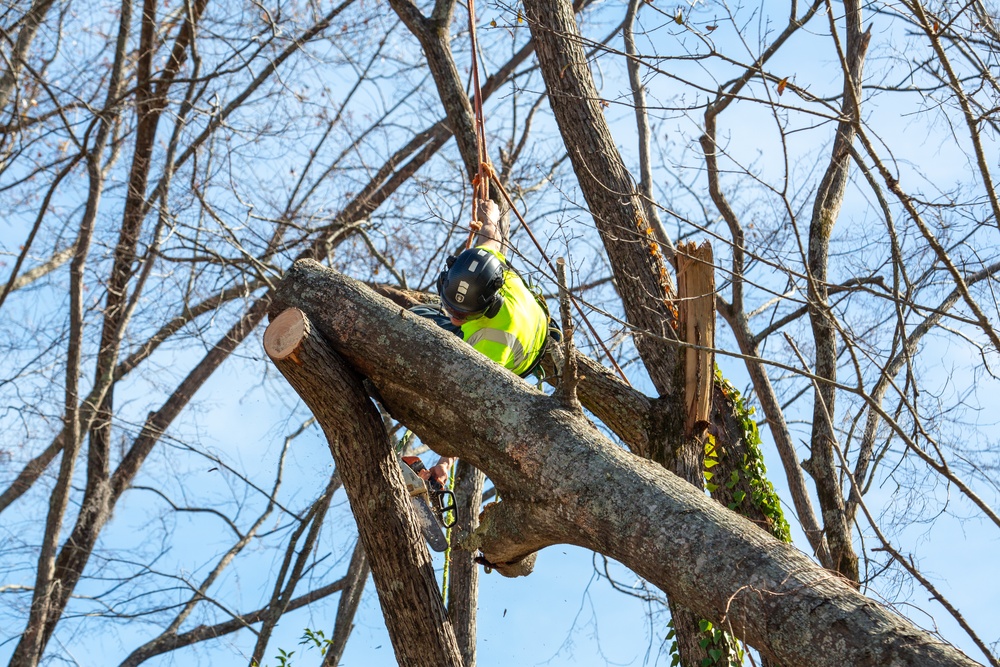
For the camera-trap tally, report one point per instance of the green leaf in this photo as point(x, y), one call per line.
point(711, 487)
point(706, 662)
point(739, 496)
point(704, 642)
point(671, 634)
point(715, 653)
point(705, 625)
point(711, 463)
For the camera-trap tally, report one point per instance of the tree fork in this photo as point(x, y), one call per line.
point(400, 563)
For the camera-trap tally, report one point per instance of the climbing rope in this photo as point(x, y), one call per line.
point(480, 183)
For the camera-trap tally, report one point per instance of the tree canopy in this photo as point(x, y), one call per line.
point(163, 167)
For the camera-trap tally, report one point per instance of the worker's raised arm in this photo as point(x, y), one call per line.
point(494, 231)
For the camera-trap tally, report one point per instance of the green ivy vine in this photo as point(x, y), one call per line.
point(752, 468)
point(722, 649)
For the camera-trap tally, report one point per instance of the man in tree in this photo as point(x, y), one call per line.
point(490, 307)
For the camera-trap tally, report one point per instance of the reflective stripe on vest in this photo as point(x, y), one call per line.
point(508, 340)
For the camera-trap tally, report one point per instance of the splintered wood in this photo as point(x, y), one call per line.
point(696, 306)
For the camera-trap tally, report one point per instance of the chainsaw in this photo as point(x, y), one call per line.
point(433, 504)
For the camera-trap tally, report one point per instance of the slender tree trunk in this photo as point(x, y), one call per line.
point(25, 36)
point(822, 464)
point(463, 585)
point(357, 576)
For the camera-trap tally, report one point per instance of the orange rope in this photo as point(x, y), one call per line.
point(480, 183)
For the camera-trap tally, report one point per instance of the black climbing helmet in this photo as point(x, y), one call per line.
point(470, 286)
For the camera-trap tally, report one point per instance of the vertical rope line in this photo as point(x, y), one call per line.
point(480, 184)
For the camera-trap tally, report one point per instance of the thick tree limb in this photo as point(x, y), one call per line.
point(577, 487)
point(641, 275)
point(400, 564)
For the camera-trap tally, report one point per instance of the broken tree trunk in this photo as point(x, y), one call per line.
point(696, 315)
point(696, 304)
point(564, 482)
point(400, 563)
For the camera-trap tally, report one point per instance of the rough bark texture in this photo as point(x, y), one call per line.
point(400, 563)
point(463, 586)
point(547, 464)
point(641, 275)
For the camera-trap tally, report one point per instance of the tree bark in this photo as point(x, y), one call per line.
point(463, 586)
point(400, 563)
point(548, 465)
point(641, 275)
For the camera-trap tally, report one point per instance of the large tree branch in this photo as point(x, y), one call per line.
point(633, 250)
point(584, 490)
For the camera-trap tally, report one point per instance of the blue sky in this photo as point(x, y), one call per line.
point(563, 614)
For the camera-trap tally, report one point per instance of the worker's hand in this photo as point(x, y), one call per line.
point(438, 472)
point(489, 212)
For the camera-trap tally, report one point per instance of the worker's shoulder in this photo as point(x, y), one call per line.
point(496, 253)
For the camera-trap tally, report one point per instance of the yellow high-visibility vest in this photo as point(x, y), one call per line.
point(515, 337)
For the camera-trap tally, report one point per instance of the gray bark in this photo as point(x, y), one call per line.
point(822, 464)
point(463, 587)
